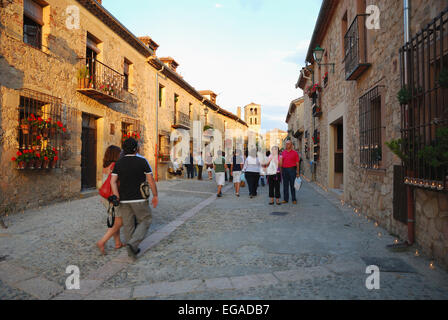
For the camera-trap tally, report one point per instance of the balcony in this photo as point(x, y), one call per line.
point(355, 49)
point(181, 121)
point(100, 82)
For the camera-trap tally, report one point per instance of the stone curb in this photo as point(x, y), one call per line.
point(160, 289)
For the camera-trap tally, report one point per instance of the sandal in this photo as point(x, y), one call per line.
point(119, 247)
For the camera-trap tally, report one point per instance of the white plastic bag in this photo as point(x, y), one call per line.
point(298, 184)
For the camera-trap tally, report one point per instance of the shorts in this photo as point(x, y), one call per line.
point(220, 178)
point(106, 205)
point(236, 176)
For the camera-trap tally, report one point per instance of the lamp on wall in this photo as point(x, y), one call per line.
point(318, 54)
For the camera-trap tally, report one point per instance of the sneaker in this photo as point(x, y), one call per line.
point(284, 201)
point(237, 194)
point(132, 253)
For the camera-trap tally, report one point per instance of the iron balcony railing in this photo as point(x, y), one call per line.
point(100, 81)
point(355, 46)
point(182, 120)
point(424, 105)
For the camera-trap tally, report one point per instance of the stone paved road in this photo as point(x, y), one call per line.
point(200, 247)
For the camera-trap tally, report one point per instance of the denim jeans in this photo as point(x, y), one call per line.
point(289, 177)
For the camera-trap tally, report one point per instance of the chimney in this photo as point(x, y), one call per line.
point(210, 95)
point(149, 43)
point(238, 112)
point(170, 62)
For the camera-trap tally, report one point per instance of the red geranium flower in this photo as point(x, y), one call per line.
point(19, 153)
point(46, 158)
point(13, 159)
point(63, 129)
point(38, 155)
point(39, 119)
point(56, 158)
point(38, 137)
point(56, 152)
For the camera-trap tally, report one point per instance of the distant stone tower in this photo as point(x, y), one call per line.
point(252, 116)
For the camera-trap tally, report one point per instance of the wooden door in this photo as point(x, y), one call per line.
point(88, 152)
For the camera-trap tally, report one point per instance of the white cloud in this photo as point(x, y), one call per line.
point(218, 5)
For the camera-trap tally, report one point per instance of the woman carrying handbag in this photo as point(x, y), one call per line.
point(111, 156)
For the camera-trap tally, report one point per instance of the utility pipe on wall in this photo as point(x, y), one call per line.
point(409, 190)
point(157, 125)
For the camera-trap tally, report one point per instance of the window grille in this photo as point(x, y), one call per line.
point(370, 130)
point(424, 107)
point(42, 130)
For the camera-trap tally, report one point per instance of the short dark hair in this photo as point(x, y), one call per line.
point(130, 146)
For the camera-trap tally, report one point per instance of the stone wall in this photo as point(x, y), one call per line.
point(371, 191)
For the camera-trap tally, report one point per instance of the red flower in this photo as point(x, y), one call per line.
point(13, 159)
point(19, 153)
point(63, 129)
point(25, 151)
point(39, 119)
point(49, 119)
point(38, 155)
point(46, 158)
point(38, 137)
point(32, 116)
point(56, 152)
point(56, 158)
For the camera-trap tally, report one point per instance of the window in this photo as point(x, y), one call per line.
point(43, 124)
point(161, 95)
point(32, 23)
point(126, 72)
point(190, 111)
point(424, 115)
point(164, 147)
point(370, 130)
point(344, 27)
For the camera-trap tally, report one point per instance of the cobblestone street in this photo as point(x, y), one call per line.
point(203, 247)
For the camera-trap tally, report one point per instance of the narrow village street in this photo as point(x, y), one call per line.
point(203, 247)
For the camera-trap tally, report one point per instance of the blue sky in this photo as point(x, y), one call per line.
point(244, 50)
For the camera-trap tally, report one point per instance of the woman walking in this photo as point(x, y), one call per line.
point(111, 156)
point(209, 165)
point(252, 172)
point(274, 175)
point(235, 170)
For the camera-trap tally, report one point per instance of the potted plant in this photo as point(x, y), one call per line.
point(443, 78)
point(38, 160)
point(404, 95)
point(25, 126)
point(20, 160)
point(83, 76)
point(436, 154)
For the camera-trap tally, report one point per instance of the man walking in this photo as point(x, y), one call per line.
point(290, 164)
point(132, 171)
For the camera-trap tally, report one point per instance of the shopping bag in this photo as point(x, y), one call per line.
point(106, 189)
point(298, 184)
point(243, 180)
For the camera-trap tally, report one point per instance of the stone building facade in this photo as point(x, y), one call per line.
point(71, 63)
point(353, 111)
point(295, 122)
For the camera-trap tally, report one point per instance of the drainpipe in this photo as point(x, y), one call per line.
point(157, 125)
point(409, 190)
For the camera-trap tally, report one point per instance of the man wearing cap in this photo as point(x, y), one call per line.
point(132, 171)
